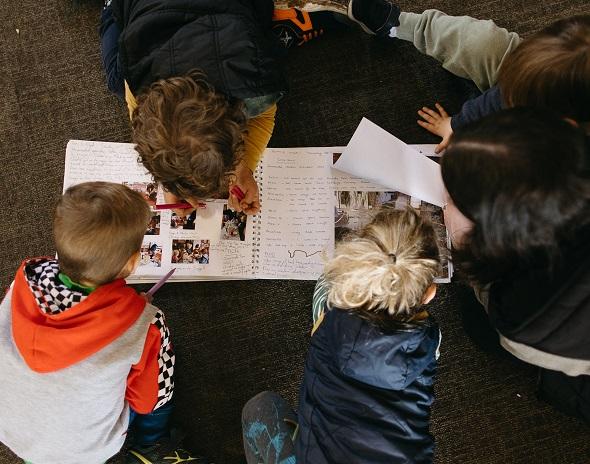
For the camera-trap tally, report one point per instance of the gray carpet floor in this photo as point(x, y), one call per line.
point(234, 339)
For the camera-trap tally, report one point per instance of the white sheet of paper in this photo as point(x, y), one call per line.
point(376, 155)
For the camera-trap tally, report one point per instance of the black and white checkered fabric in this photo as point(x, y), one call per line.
point(52, 296)
point(166, 359)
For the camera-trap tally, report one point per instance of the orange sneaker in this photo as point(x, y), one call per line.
point(295, 27)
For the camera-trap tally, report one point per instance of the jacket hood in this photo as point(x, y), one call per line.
point(365, 353)
point(54, 327)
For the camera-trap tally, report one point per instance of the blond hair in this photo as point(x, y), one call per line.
point(384, 272)
point(189, 136)
point(97, 227)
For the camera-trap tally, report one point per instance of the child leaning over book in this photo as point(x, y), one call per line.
point(84, 354)
point(368, 382)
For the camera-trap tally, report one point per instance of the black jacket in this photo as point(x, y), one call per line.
point(544, 318)
point(230, 40)
point(366, 395)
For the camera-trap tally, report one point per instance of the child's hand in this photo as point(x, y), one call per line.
point(250, 204)
point(170, 198)
point(146, 297)
point(438, 124)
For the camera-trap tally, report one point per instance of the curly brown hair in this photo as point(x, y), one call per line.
point(188, 135)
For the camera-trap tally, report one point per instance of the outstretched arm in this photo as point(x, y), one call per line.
point(440, 123)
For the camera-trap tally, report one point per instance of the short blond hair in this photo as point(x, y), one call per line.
point(97, 227)
point(385, 270)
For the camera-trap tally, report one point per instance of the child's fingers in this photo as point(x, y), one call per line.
point(251, 208)
point(233, 203)
point(429, 127)
point(441, 146)
point(441, 110)
point(146, 297)
point(183, 212)
point(426, 116)
point(424, 124)
point(432, 113)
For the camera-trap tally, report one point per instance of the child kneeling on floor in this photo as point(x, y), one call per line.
point(368, 382)
point(83, 354)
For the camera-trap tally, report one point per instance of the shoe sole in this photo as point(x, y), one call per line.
point(343, 7)
point(336, 6)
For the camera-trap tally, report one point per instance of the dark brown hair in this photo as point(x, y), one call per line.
point(188, 136)
point(97, 227)
point(551, 69)
point(522, 177)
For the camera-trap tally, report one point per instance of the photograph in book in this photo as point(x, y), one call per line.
point(183, 222)
point(150, 254)
point(233, 224)
point(149, 190)
point(355, 209)
point(153, 227)
point(190, 251)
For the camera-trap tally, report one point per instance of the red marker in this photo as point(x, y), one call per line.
point(181, 205)
point(237, 192)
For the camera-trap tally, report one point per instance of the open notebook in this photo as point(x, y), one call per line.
point(305, 205)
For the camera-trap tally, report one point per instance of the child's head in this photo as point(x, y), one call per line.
point(551, 69)
point(387, 271)
point(188, 136)
point(98, 229)
point(521, 177)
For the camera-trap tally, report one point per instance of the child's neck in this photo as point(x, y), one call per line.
point(83, 287)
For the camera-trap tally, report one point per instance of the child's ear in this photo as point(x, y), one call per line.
point(429, 294)
point(130, 265)
point(573, 122)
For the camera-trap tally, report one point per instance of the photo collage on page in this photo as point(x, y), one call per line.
point(151, 247)
point(196, 243)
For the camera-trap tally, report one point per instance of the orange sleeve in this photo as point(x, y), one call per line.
point(142, 382)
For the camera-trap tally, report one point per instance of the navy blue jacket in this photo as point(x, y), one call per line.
point(473, 110)
point(366, 395)
point(230, 40)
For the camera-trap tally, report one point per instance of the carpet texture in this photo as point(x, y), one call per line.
point(235, 339)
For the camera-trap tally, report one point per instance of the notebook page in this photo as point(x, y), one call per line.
point(296, 233)
point(209, 244)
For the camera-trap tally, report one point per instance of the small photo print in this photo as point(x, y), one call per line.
point(150, 254)
point(149, 190)
point(233, 224)
point(153, 227)
point(190, 252)
point(183, 222)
